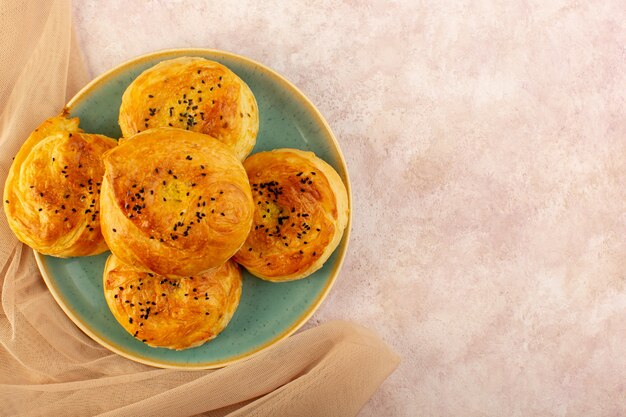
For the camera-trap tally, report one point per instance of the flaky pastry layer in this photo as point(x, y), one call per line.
point(52, 192)
point(194, 94)
point(301, 210)
point(172, 313)
point(174, 202)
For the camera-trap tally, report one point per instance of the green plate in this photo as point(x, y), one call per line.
point(268, 312)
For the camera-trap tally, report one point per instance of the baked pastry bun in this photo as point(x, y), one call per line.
point(193, 94)
point(301, 210)
point(51, 195)
point(172, 313)
point(174, 202)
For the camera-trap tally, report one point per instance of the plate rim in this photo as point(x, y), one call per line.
point(343, 246)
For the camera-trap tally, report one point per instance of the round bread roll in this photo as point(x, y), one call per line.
point(51, 195)
point(174, 202)
point(301, 210)
point(193, 94)
point(172, 313)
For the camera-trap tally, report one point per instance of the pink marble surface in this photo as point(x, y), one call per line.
point(486, 142)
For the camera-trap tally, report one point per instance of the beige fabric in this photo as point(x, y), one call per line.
point(48, 367)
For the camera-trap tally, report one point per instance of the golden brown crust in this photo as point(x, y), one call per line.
point(172, 313)
point(301, 210)
point(51, 195)
point(174, 210)
point(194, 94)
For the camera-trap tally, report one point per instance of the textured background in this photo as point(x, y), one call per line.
point(486, 142)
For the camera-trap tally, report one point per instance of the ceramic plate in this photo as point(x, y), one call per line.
point(268, 312)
